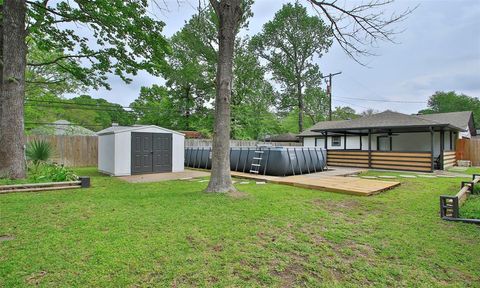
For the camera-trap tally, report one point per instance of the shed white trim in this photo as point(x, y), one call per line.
point(136, 128)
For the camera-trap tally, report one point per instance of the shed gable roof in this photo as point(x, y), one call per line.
point(123, 129)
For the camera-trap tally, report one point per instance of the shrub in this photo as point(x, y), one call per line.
point(49, 172)
point(38, 151)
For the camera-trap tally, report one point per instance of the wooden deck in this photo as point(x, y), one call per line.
point(339, 184)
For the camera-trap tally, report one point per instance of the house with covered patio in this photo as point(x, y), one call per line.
point(392, 140)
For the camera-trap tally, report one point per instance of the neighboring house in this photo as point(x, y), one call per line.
point(397, 141)
point(287, 137)
point(62, 127)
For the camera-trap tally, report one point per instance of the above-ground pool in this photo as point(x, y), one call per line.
point(276, 161)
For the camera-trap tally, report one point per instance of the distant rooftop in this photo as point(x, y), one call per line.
point(62, 127)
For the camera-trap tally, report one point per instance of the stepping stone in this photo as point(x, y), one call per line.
point(427, 176)
point(353, 175)
point(187, 178)
point(244, 182)
point(458, 169)
point(387, 177)
point(369, 177)
point(446, 176)
point(408, 176)
point(203, 181)
point(260, 183)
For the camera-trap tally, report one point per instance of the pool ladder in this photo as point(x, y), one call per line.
point(257, 159)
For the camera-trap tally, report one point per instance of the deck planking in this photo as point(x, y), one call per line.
point(338, 184)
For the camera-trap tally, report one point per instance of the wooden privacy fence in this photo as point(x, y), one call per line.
point(72, 151)
point(236, 143)
point(469, 149)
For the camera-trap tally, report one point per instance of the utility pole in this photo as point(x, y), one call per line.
point(329, 92)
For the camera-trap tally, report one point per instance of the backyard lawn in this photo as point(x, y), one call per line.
point(170, 234)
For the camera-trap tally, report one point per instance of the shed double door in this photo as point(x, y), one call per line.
point(151, 152)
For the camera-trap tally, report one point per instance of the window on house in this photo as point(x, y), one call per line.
point(336, 141)
point(383, 143)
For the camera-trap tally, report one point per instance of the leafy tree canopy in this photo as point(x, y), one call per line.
point(123, 39)
point(289, 43)
point(442, 102)
point(344, 113)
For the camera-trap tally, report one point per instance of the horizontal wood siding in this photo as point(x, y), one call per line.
point(409, 161)
point(72, 151)
point(347, 158)
point(449, 159)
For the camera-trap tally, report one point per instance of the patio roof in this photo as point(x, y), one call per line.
point(382, 122)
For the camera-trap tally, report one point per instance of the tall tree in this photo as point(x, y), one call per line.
point(289, 43)
point(441, 102)
point(316, 104)
point(124, 39)
point(230, 14)
point(369, 26)
point(253, 96)
point(12, 158)
point(192, 66)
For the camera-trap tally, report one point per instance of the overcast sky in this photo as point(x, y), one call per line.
point(439, 50)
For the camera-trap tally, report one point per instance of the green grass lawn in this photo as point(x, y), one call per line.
point(170, 234)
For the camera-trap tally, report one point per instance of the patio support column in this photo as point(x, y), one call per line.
point(390, 138)
point(442, 147)
point(326, 139)
point(369, 148)
point(360, 141)
point(432, 148)
point(451, 139)
point(345, 141)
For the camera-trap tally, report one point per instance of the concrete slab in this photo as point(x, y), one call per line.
point(157, 177)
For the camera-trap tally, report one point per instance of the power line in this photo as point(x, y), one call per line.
point(77, 108)
point(60, 124)
point(381, 100)
point(88, 106)
point(79, 104)
point(352, 104)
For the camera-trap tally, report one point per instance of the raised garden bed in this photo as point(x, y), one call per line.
point(83, 182)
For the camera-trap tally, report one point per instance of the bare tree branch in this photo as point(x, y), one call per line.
point(64, 57)
point(358, 29)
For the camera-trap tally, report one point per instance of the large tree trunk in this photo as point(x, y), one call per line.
point(300, 106)
point(229, 14)
point(12, 140)
point(1, 63)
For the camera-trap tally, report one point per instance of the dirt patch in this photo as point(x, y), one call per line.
point(290, 274)
point(330, 205)
point(6, 238)
point(217, 248)
point(238, 194)
point(36, 278)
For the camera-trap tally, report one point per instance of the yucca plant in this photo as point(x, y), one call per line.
point(39, 151)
